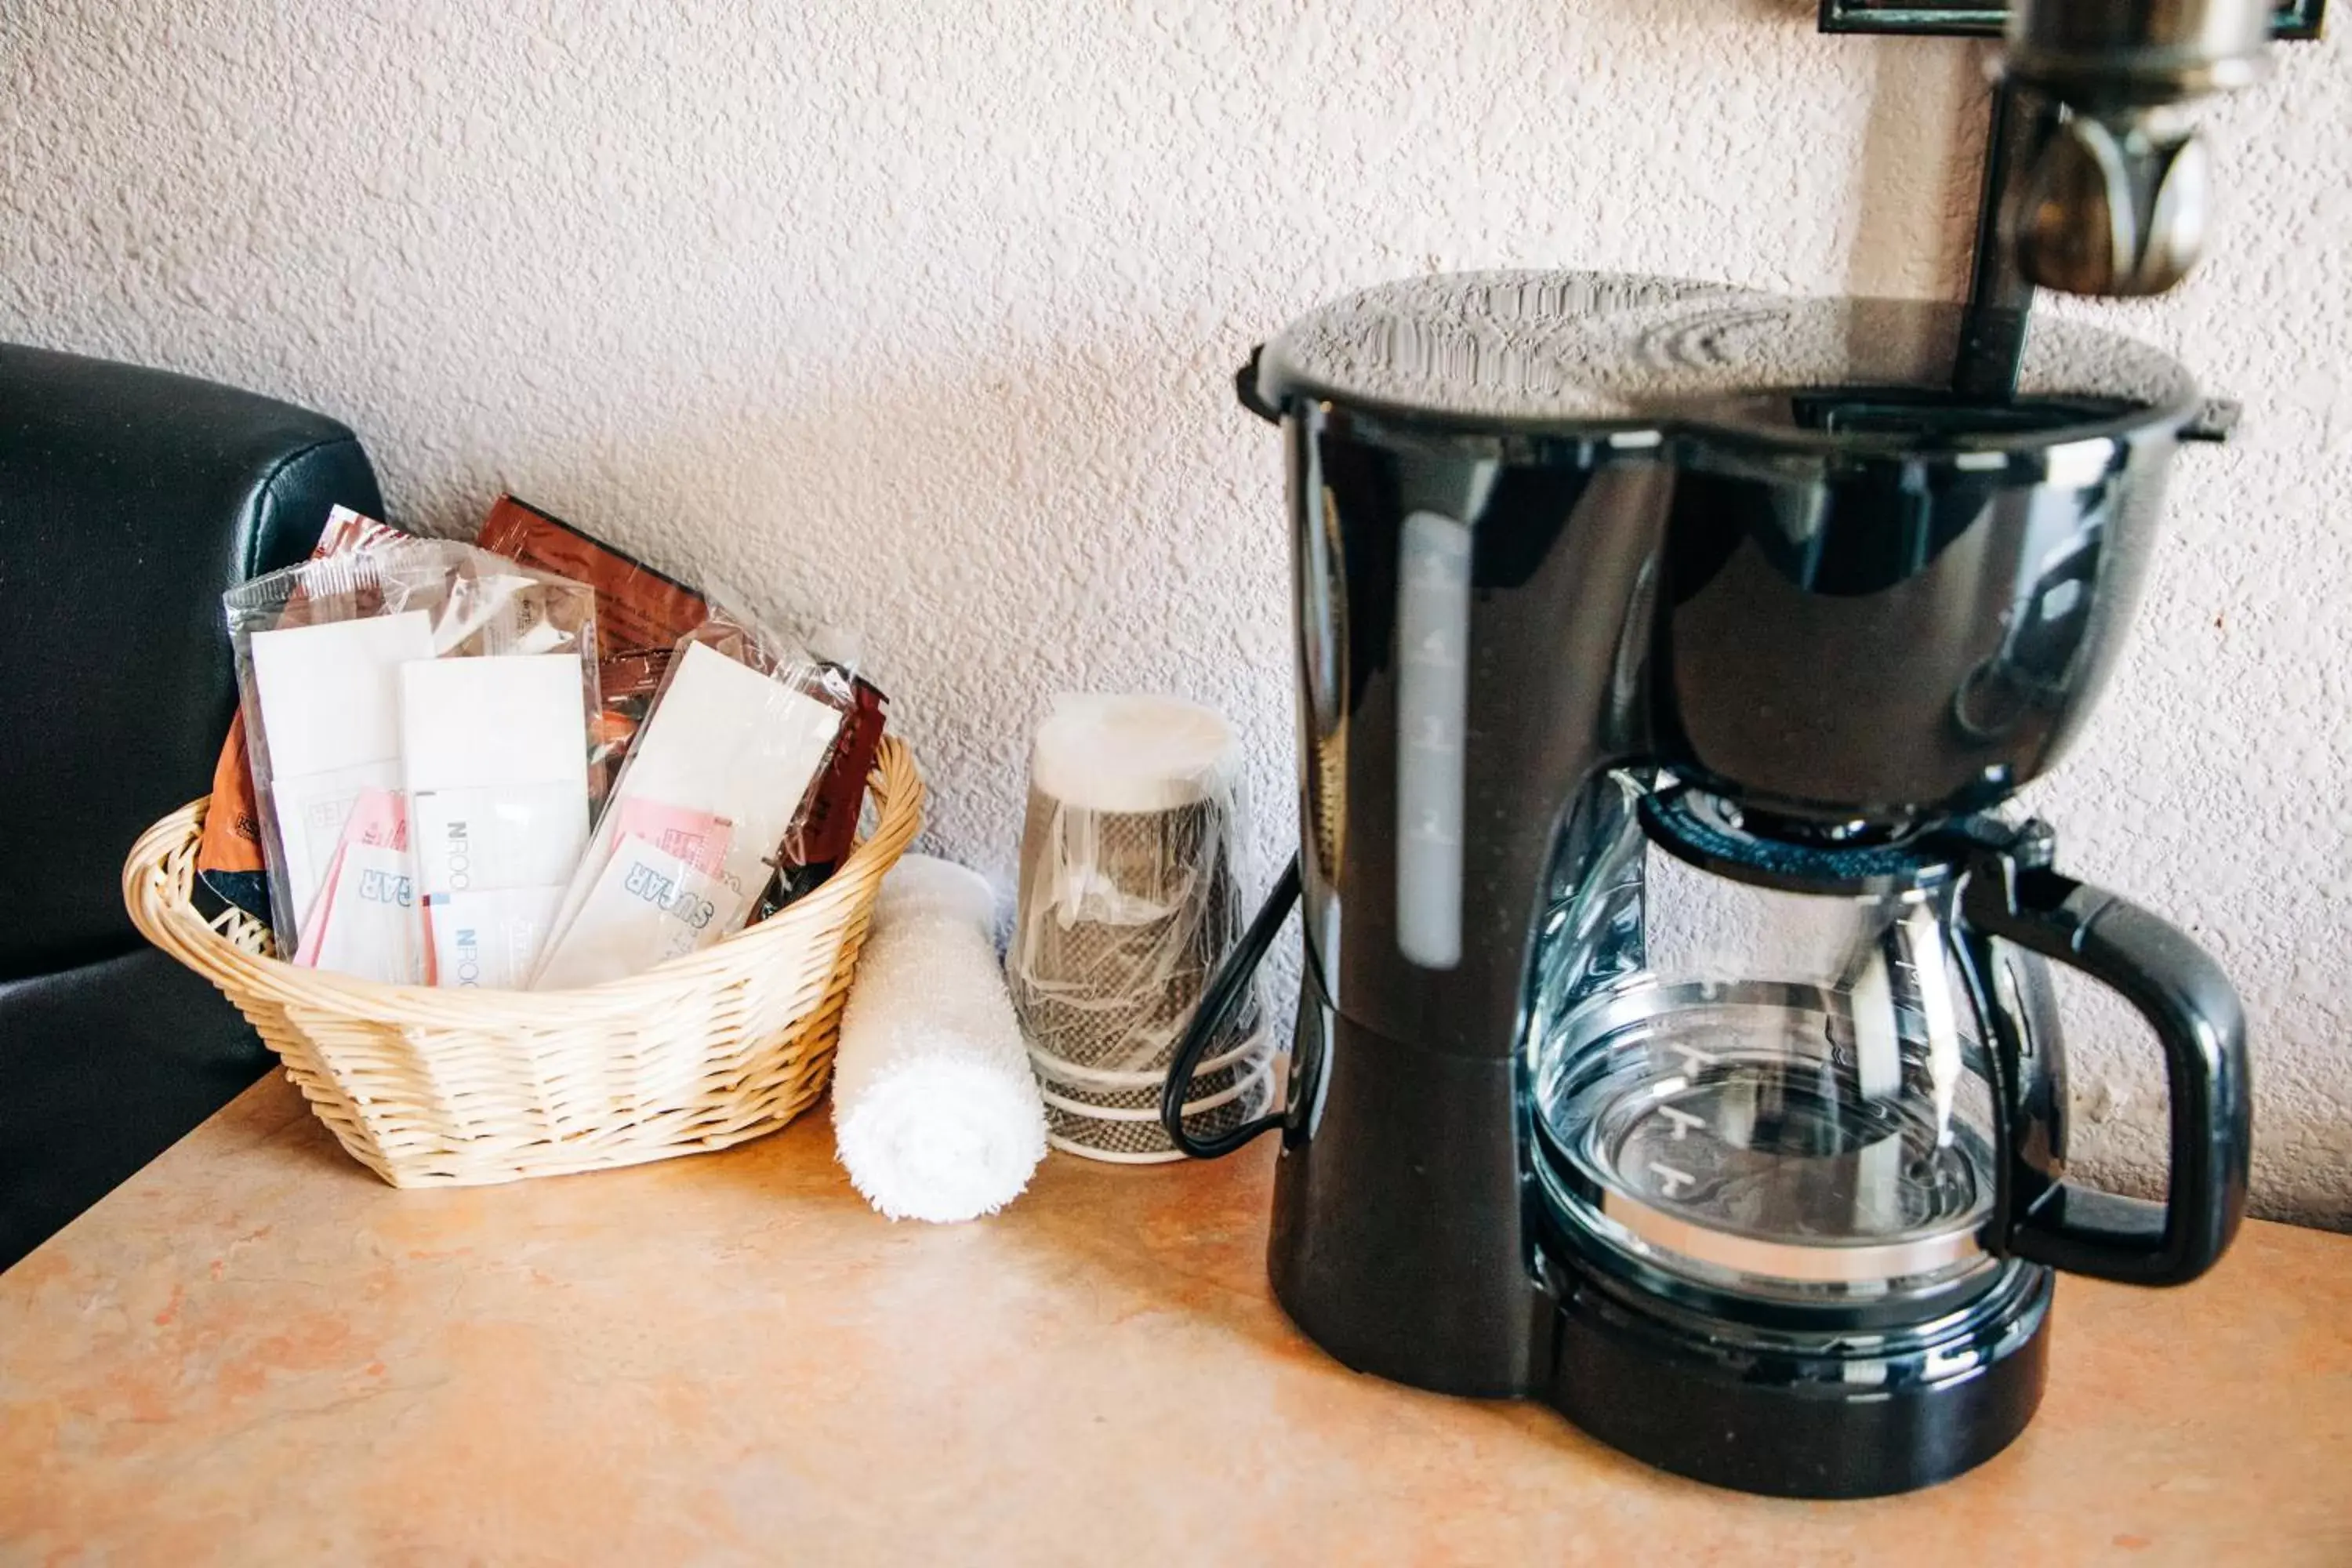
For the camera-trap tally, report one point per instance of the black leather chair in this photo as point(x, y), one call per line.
point(128, 500)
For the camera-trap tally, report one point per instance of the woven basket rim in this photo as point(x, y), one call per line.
point(160, 907)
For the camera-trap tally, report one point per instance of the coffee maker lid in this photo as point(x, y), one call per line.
point(1579, 353)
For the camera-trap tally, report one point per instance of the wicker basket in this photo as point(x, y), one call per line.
point(442, 1087)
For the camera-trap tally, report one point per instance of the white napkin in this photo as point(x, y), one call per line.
point(935, 1112)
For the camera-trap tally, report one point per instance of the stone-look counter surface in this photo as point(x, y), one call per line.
point(255, 1354)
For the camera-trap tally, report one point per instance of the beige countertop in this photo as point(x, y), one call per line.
point(253, 1352)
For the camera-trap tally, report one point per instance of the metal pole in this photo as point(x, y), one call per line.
point(2000, 299)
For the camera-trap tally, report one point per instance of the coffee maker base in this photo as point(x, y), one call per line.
point(1783, 1422)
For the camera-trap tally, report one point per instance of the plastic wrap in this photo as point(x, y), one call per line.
point(641, 613)
point(1129, 898)
point(331, 702)
point(229, 858)
point(823, 833)
point(731, 751)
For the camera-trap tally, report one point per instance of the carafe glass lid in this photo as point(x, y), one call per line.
point(1575, 353)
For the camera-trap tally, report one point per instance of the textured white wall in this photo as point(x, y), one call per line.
point(923, 314)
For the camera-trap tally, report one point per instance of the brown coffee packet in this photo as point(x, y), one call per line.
point(638, 610)
point(831, 827)
point(628, 684)
point(232, 840)
point(641, 613)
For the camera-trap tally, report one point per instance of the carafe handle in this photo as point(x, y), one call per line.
point(2184, 995)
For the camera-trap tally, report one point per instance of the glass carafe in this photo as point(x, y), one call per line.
point(1825, 1073)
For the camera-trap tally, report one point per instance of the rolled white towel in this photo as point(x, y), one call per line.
point(935, 1112)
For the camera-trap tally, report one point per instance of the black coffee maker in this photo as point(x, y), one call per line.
point(1676, 1038)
